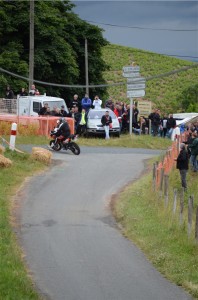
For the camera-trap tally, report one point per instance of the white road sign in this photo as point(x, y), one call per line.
point(131, 74)
point(135, 93)
point(136, 86)
point(136, 80)
point(130, 69)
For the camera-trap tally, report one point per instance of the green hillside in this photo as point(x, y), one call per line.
point(163, 92)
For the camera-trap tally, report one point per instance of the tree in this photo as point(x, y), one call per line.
point(59, 46)
point(189, 99)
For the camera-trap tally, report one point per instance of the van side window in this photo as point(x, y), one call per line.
point(36, 106)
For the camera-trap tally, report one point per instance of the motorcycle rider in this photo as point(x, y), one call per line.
point(63, 131)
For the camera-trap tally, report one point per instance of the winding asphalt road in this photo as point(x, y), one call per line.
point(72, 245)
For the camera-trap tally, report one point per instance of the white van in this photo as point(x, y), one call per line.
point(30, 105)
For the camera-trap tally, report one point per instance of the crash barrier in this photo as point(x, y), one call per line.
point(43, 125)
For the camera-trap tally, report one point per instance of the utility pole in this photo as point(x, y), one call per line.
point(86, 68)
point(31, 43)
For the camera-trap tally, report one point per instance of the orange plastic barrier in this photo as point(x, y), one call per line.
point(169, 159)
point(45, 124)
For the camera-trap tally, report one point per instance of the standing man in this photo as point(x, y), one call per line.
point(86, 103)
point(182, 164)
point(97, 103)
point(194, 151)
point(9, 95)
point(75, 102)
point(106, 121)
point(170, 125)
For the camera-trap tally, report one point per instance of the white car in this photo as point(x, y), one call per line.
point(94, 125)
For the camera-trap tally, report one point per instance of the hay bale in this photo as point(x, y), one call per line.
point(2, 149)
point(5, 162)
point(42, 155)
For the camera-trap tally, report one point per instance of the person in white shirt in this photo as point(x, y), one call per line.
point(97, 103)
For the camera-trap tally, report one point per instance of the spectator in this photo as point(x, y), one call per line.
point(58, 113)
point(9, 95)
point(43, 110)
point(97, 103)
point(63, 111)
point(106, 121)
point(76, 102)
point(194, 151)
point(118, 113)
point(164, 126)
point(47, 112)
point(155, 122)
point(135, 115)
point(82, 123)
point(53, 112)
point(182, 164)
point(23, 92)
point(33, 91)
point(77, 117)
point(86, 103)
point(171, 124)
point(109, 104)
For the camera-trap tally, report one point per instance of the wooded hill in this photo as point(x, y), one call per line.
point(178, 92)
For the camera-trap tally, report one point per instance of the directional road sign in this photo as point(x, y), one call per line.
point(136, 80)
point(130, 69)
point(136, 86)
point(135, 93)
point(131, 74)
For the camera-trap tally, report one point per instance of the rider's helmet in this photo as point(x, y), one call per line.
point(62, 120)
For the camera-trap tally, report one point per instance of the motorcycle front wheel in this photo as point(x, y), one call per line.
point(74, 148)
point(55, 146)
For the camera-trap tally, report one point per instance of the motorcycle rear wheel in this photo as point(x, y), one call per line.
point(74, 148)
point(55, 146)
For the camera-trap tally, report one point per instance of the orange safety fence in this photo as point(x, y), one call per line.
point(168, 161)
point(44, 124)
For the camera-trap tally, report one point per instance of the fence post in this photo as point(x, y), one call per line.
point(154, 176)
point(166, 184)
point(196, 226)
point(181, 206)
point(190, 213)
point(161, 180)
point(175, 201)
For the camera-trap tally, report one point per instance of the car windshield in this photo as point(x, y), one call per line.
point(97, 114)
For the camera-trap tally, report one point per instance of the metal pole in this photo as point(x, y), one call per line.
point(131, 116)
point(31, 50)
point(86, 68)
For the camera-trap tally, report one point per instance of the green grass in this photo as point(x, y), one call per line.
point(163, 92)
point(157, 232)
point(125, 140)
point(14, 282)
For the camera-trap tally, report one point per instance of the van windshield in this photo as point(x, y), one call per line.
point(97, 114)
point(56, 104)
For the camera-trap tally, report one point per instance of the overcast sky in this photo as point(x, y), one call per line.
point(150, 15)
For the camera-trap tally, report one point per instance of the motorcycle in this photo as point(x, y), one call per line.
point(66, 144)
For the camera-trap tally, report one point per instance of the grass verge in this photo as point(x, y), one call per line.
point(14, 282)
point(157, 232)
point(125, 140)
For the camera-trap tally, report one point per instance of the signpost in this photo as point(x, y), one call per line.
point(135, 87)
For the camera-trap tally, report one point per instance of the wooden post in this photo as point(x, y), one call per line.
point(166, 184)
point(161, 180)
point(190, 214)
point(196, 226)
point(181, 206)
point(175, 201)
point(154, 176)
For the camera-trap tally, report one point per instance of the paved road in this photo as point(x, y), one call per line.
point(71, 242)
